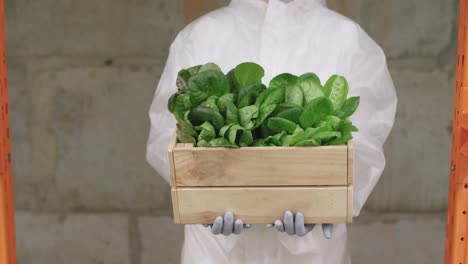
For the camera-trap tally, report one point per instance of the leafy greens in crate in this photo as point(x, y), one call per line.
point(214, 109)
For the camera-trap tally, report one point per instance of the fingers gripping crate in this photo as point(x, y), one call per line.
point(258, 184)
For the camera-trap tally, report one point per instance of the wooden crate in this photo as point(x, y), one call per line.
point(259, 183)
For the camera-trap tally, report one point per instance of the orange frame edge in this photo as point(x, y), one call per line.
point(456, 249)
point(7, 227)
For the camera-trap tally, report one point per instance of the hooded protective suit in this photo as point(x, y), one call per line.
point(296, 37)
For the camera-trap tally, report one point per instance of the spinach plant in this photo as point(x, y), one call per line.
point(236, 109)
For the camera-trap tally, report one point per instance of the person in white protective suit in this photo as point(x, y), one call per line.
point(296, 37)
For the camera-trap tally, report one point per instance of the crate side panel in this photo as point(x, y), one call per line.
point(175, 206)
point(350, 162)
point(350, 204)
point(323, 166)
point(170, 157)
point(263, 205)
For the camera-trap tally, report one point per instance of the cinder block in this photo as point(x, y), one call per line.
point(89, 132)
point(372, 239)
point(72, 239)
point(161, 240)
point(394, 239)
point(103, 28)
point(20, 128)
point(418, 149)
point(407, 28)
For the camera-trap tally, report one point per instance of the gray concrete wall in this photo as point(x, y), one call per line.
point(81, 78)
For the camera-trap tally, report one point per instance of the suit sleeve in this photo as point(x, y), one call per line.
point(162, 122)
point(370, 79)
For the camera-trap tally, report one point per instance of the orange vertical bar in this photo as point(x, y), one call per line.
point(456, 249)
point(7, 228)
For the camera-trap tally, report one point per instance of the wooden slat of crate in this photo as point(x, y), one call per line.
point(170, 157)
point(261, 205)
point(350, 146)
point(260, 166)
point(349, 219)
point(175, 205)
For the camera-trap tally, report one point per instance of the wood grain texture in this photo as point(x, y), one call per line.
point(350, 162)
point(175, 206)
point(350, 204)
point(262, 205)
point(170, 157)
point(261, 166)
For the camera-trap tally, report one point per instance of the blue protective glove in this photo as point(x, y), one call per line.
point(295, 225)
point(227, 225)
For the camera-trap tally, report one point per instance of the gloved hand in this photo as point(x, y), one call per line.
point(227, 225)
point(295, 225)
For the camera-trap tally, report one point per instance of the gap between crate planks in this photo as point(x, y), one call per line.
point(258, 184)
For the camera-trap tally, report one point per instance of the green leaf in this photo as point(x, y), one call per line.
point(246, 114)
point(315, 111)
point(284, 106)
point(259, 143)
point(309, 75)
point(200, 114)
point(349, 107)
point(203, 144)
point(182, 80)
point(310, 132)
point(211, 102)
point(233, 84)
point(336, 89)
point(206, 84)
point(210, 67)
point(271, 96)
point(275, 140)
point(248, 94)
point(346, 127)
point(232, 114)
point(246, 138)
point(340, 141)
point(194, 70)
point(326, 135)
point(179, 104)
point(221, 143)
point(311, 88)
point(248, 73)
point(334, 121)
point(278, 124)
point(234, 133)
point(224, 129)
point(298, 135)
point(274, 96)
point(185, 133)
point(291, 114)
point(171, 103)
point(285, 140)
point(283, 81)
point(207, 132)
point(265, 131)
point(308, 142)
point(294, 95)
point(264, 112)
point(224, 100)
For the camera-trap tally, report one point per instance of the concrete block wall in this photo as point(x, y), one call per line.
point(82, 75)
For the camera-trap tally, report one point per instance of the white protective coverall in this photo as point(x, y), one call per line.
point(296, 37)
